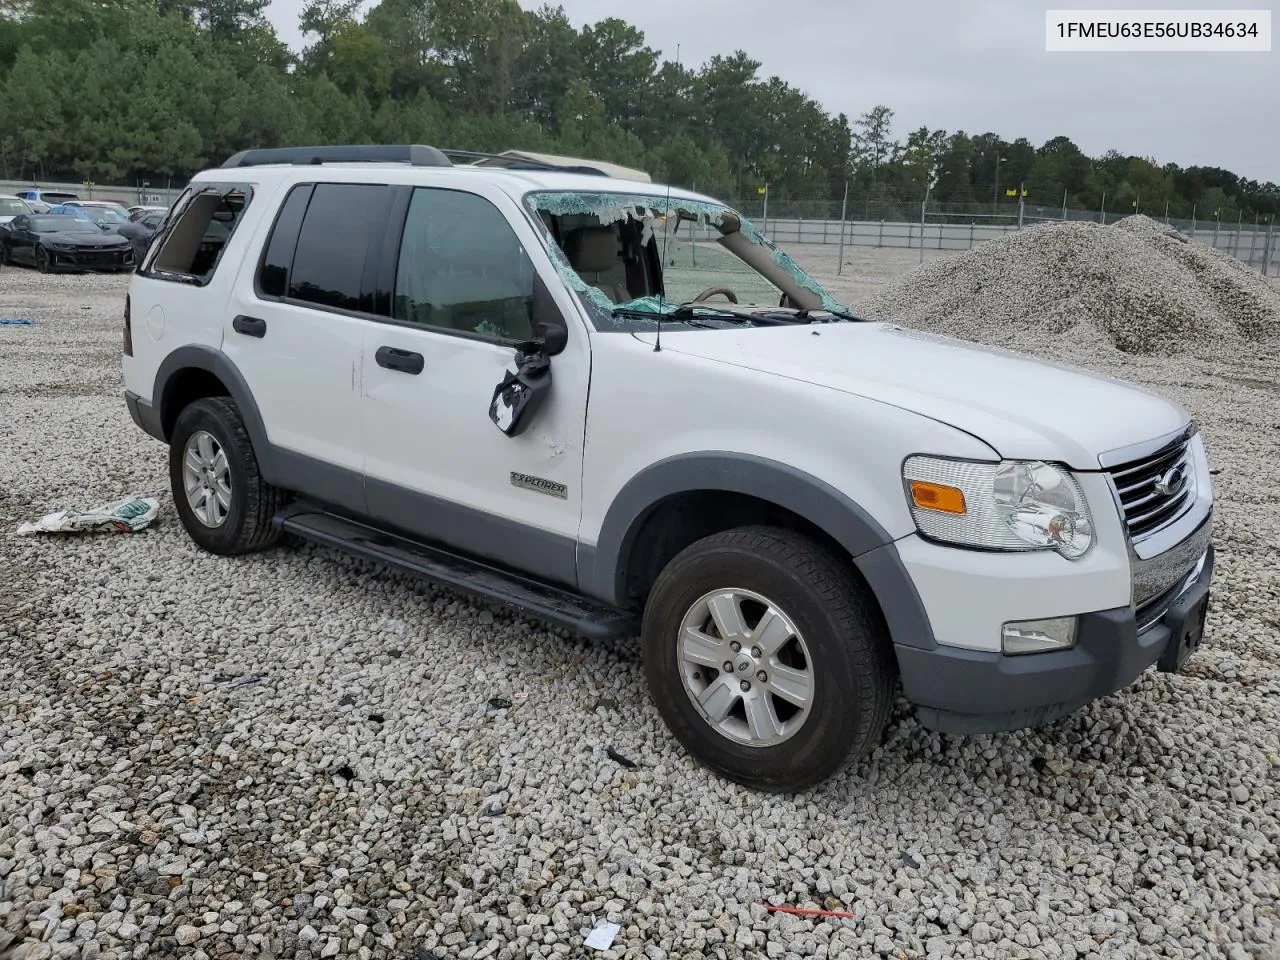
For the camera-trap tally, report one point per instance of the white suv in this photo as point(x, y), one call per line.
point(535, 386)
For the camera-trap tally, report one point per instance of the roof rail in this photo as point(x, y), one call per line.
point(520, 163)
point(415, 154)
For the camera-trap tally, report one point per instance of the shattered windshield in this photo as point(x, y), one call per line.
point(635, 257)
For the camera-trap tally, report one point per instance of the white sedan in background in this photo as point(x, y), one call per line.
point(11, 206)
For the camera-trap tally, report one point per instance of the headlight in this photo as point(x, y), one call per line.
point(1012, 505)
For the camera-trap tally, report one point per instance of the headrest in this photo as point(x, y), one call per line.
point(592, 249)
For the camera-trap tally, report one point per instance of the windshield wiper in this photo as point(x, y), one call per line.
point(842, 314)
point(688, 314)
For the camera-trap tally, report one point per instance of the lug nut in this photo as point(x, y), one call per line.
point(762, 677)
point(728, 667)
point(757, 652)
point(745, 685)
point(735, 646)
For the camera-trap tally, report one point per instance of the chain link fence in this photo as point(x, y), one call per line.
point(145, 193)
point(880, 218)
point(884, 219)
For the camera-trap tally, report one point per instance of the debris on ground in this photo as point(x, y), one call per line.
point(1136, 287)
point(123, 516)
point(809, 912)
point(499, 703)
point(616, 757)
point(15, 321)
point(601, 937)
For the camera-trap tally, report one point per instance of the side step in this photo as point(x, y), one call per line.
point(542, 600)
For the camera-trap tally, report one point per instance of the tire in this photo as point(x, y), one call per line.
point(842, 642)
point(4, 255)
point(41, 258)
point(248, 504)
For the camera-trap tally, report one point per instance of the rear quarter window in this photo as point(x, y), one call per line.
point(190, 247)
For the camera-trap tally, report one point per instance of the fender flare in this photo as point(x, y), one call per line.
point(602, 568)
point(199, 357)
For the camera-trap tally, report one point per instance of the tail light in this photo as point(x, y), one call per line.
point(128, 329)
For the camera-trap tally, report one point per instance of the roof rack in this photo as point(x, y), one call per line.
point(414, 154)
point(521, 163)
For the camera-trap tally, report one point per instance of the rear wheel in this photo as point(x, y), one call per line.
point(220, 495)
point(4, 254)
point(767, 658)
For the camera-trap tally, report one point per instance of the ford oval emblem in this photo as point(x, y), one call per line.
point(1171, 481)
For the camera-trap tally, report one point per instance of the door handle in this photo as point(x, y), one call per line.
point(402, 360)
point(249, 326)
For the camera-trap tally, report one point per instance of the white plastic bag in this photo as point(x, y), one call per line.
point(124, 516)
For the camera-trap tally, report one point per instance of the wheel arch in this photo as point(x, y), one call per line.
point(742, 489)
point(194, 371)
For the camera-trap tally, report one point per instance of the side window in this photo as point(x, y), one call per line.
point(461, 267)
point(21, 223)
point(342, 221)
point(273, 274)
point(193, 244)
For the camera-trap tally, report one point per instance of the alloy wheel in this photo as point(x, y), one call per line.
point(206, 478)
point(745, 667)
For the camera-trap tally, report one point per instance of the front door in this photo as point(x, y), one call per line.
point(436, 466)
point(19, 239)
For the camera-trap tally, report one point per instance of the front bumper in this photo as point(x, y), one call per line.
point(91, 259)
point(972, 691)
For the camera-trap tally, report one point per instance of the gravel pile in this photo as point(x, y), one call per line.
point(301, 755)
point(1136, 287)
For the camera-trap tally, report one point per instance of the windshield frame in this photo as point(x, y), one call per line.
point(599, 309)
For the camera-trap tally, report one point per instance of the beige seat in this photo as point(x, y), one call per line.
point(593, 253)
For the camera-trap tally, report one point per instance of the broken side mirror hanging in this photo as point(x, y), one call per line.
point(517, 398)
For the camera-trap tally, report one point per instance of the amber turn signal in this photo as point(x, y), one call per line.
point(937, 496)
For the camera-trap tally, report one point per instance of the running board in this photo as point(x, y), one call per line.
point(542, 600)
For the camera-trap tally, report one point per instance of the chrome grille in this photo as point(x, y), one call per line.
point(1146, 505)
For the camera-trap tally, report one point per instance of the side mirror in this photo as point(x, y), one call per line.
point(549, 327)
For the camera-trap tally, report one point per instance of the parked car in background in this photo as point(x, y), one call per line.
point(106, 216)
point(42, 200)
point(136, 213)
point(63, 242)
point(139, 232)
point(11, 206)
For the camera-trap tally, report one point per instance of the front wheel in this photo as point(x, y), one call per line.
point(221, 497)
point(42, 260)
point(767, 658)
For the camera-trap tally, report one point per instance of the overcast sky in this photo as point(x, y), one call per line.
point(975, 65)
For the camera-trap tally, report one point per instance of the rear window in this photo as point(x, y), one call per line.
point(13, 208)
point(50, 197)
point(191, 246)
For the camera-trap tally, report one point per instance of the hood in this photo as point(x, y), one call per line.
point(1023, 408)
point(87, 239)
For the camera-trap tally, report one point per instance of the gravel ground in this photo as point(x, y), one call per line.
point(295, 754)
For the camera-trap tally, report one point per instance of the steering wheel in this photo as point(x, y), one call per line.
point(710, 292)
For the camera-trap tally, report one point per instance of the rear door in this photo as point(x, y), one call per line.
point(296, 334)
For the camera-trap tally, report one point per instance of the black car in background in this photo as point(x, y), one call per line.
point(58, 242)
point(140, 231)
